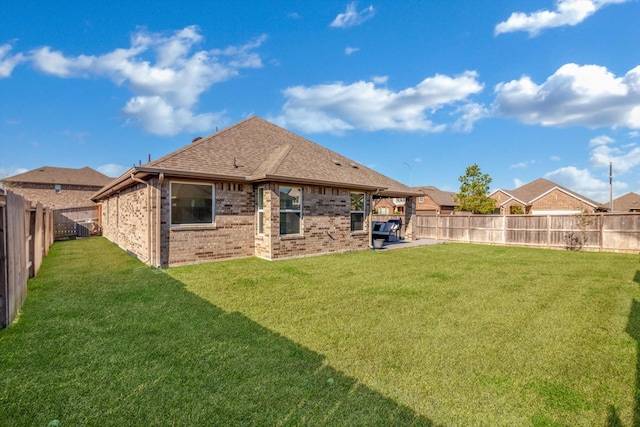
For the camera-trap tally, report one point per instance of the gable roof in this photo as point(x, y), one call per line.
point(256, 150)
point(442, 198)
point(529, 193)
point(64, 176)
point(626, 203)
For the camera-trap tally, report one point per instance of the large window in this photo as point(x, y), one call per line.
point(260, 210)
point(290, 210)
point(191, 203)
point(357, 211)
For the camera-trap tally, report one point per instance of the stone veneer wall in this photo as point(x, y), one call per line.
point(231, 236)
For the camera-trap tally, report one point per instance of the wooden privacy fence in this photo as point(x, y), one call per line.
point(26, 234)
point(607, 232)
point(76, 222)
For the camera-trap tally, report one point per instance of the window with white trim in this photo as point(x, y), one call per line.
point(192, 203)
point(357, 211)
point(290, 210)
point(260, 210)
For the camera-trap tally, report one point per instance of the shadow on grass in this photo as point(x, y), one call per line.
point(122, 344)
point(633, 329)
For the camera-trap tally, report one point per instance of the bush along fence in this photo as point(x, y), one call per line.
point(606, 232)
point(26, 234)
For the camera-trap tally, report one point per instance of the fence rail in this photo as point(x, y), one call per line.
point(76, 222)
point(607, 232)
point(26, 234)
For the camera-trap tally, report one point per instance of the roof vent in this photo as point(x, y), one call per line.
point(337, 162)
point(353, 165)
point(197, 138)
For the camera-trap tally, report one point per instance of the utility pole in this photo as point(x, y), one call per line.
point(610, 187)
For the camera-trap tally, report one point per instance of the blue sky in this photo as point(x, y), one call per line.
point(417, 90)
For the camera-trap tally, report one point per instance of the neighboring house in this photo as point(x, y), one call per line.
point(435, 201)
point(57, 188)
point(389, 205)
point(543, 197)
point(629, 202)
point(252, 189)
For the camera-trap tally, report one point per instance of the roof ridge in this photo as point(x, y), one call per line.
point(197, 142)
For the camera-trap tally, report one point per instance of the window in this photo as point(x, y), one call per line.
point(58, 188)
point(290, 210)
point(357, 211)
point(421, 199)
point(260, 210)
point(191, 203)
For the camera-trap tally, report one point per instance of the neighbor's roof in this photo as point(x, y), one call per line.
point(256, 150)
point(626, 203)
point(532, 191)
point(442, 198)
point(53, 175)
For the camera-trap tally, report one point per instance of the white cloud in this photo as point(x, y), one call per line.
point(351, 17)
point(380, 80)
point(54, 62)
point(112, 170)
point(574, 95)
point(600, 140)
point(166, 73)
point(568, 12)
point(582, 182)
point(554, 158)
point(469, 114)
point(6, 172)
point(604, 152)
point(351, 50)
point(339, 107)
point(522, 165)
point(9, 62)
point(159, 117)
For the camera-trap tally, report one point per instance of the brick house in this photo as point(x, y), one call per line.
point(543, 197)
point(435, 201)
point(252, 189)
point(629, 202)
point(389, 205)
point(57, 188)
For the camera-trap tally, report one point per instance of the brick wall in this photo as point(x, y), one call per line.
point(69, 196)
point(559, 200)
point(125, 220)
point(325, 228)
point(231, 235)
point(427, 205)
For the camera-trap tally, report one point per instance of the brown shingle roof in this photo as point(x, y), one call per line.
point(54, 175)
point(256, 150)
point(442, 198)
point(626, 203)
point(528, 193)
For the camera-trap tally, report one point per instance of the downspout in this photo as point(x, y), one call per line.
point(159, 220)
point(148, 215)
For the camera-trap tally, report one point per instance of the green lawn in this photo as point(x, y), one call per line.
point(442, 335)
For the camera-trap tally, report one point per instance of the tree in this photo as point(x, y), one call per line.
point(474, 192)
